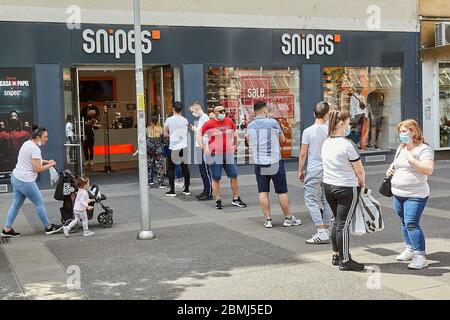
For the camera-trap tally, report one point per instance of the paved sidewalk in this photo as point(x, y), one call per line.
point(203, 253)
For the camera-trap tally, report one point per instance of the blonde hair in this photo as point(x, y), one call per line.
point(413, 126)
point(154, 130)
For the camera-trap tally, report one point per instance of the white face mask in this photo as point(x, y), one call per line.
point(39, 143)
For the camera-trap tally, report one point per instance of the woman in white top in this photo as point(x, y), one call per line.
point(343, 175)
point(23, 181)
point(413, 163)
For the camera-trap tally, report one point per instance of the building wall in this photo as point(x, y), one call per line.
point(432, 12)
point(298, 14)
point(434, 8)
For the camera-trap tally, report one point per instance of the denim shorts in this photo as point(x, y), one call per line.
point(225, 162)
point(274, 172)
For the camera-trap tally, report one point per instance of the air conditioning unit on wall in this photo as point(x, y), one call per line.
point(442, 36)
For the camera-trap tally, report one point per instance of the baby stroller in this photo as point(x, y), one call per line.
point(66, 191)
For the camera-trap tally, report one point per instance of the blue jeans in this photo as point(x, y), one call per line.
point(21, 191)
point(410, 210)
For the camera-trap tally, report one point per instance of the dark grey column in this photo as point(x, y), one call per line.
point(50, 114)
point(310, 92)
point(193, 88)
point(411, 104)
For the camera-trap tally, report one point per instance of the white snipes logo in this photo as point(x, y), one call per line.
point(308, 44)
point(115, 42)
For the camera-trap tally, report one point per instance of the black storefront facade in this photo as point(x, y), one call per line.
point(313, 65)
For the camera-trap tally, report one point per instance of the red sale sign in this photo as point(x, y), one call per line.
point(256, 88)
point(282, 106)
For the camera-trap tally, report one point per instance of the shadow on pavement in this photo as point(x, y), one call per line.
point(435, 269)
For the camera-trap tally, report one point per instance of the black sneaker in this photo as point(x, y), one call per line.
point(10, 234)
point(186, 192)
point(219, 204)
point(239, 203)
point(205, 197)
point(351, 265)
point(53, 228)
point(200, 195)
point(171, 193)
point(335, 260)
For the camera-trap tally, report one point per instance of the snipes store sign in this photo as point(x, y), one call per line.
point(117, 42)
point(308, 45)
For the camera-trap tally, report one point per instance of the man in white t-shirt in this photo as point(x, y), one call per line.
point(313, 138)
point(176, 128)
point(203, 167)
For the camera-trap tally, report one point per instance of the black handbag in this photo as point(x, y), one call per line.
point(362, 105)
point(386, 186)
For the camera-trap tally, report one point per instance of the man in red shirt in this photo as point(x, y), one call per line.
point(223, 138)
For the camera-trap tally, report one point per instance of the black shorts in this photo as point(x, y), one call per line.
point(274, 172)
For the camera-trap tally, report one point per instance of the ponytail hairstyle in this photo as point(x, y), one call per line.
point(37, 131)
point(334, 118)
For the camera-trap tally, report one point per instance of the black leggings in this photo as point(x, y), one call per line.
point(88, 150)
point(184, 168)
point(343, 201)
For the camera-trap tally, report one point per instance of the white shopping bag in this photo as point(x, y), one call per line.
point(371, 211)
point(54, 176)
point(357, 226)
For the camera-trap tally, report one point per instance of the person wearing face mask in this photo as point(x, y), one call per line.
point(414, 162)
point(155, 152)
point(23, 181)
point(265, 137)
point(313, 138)
point(343, 177)
point(205, 170)
point(222, 142)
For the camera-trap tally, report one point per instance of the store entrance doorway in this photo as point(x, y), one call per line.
point(104, 108)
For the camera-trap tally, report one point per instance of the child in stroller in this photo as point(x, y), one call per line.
point(66, 191)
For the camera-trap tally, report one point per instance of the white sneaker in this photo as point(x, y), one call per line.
point(268, 223)
point(88, 233)
point(406, 255)
point(66, 231)
point(293, 221)
point(419, 262)
point(319, 238)
point(91, 163)
point(86, 163)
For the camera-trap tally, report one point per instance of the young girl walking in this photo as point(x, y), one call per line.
point(82, 202)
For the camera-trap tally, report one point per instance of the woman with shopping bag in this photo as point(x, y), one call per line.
point(343, 176)
point(410, 171)
point(23, 181)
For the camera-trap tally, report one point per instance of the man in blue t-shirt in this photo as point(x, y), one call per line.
point(265, 136)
